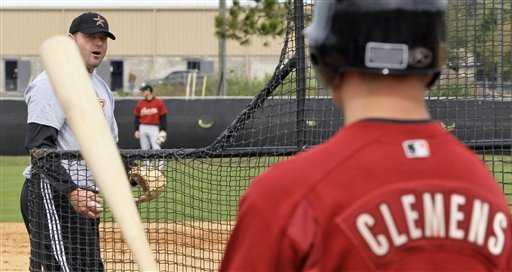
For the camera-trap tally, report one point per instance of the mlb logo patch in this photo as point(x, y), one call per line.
point(417, 148)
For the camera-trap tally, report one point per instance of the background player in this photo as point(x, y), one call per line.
point(68, 239)
point(392, 190)
point(150, 120)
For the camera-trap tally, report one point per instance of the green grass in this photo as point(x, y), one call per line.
point(203, 189)
point(501, 166)
point(11, 182)
point(197, 190)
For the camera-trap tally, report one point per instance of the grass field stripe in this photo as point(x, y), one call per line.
point(56, 239)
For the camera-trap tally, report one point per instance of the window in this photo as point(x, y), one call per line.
point(194, 65)
point(116, 76)
point(11, 75)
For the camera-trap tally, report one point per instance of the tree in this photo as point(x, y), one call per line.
point(482, 28)
point(266, 18)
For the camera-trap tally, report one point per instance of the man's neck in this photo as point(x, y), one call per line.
point(385, 108)
point(398, 100)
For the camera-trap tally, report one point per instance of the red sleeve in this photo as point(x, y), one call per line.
point(260, 242)
point(248, 241)
point(298, 241)
point(163, 108)
point(136, 110)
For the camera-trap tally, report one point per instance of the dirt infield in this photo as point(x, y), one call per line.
point(177, 246)
point(14, 247)
point(184, 246)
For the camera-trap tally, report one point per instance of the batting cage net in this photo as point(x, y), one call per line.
point(189, 223)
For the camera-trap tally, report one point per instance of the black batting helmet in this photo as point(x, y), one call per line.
point(387, 37)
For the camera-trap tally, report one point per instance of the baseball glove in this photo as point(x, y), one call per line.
point(151, 180)
point(162, 136)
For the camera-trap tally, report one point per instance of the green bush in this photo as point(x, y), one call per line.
point(168, 90)
point(451, 90)
point(238, 85)
point(122, 93)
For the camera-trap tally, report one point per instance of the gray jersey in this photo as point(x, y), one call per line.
point(43, 108)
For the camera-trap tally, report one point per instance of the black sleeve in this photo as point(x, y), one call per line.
point(42, 136)
point(163, 122)
point(136, 123)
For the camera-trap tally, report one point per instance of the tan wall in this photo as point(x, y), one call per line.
point(139, 32)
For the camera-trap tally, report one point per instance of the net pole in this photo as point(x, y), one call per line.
point(501, 54)
point(300, 72)
point(222, 51)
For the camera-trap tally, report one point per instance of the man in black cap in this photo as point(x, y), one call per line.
point(60, 203)
point(90, 32)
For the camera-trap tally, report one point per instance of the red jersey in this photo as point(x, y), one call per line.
point(149, 111)
point(377, 196)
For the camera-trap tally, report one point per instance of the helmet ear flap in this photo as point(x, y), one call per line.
point(433, 80)
point(314, 59)
point(326, 74)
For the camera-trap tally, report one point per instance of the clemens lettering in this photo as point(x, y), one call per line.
point(433, 216)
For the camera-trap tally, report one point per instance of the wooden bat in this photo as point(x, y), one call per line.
point(72, 85)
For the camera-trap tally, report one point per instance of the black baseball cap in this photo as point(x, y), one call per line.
point(90, 23)
point(146, 88)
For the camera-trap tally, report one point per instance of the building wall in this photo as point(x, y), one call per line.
point(145, 68)
point(150, 42)
point(139, 32)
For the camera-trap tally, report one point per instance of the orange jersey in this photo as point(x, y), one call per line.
point(149, 112)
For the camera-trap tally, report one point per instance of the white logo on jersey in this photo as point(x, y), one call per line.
point(148, 111)
point(417, 148)
point(407, 227)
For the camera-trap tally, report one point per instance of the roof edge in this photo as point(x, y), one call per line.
point(120, 4)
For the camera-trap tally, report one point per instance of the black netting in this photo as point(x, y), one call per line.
point(189, 223)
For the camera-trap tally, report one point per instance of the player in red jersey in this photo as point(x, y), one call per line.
point(392, 190)
point(150, 120)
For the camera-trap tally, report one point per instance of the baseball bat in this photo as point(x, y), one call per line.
point(73, 88)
